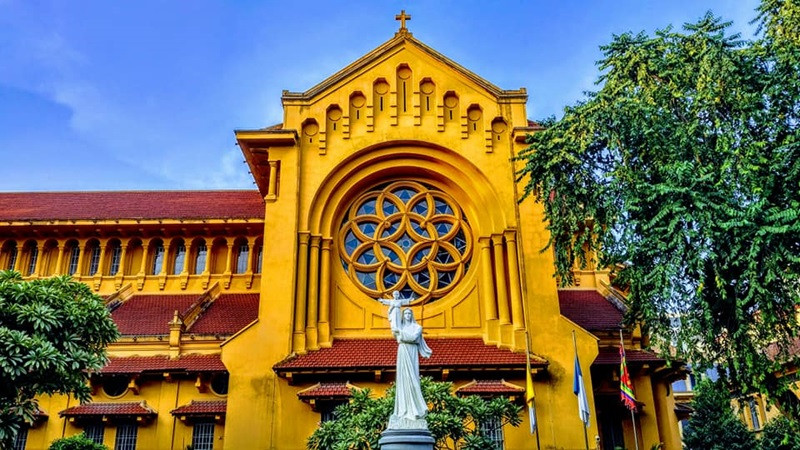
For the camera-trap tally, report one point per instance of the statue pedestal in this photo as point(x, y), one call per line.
point(408, 439)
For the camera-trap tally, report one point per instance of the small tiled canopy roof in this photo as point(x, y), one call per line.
point(331, 390)
point(139, 364)
point(380, 354)
point(197, 408)
point(489, 388)
point(135, 409)
point(121, 205)
point(609, 356)
point(227, 315)
point(589, 309)
point(149, 315)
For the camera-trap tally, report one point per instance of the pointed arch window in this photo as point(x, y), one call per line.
point(94, 262)
point(180, 259)
point(32, 259)
point(257, 261)
point(241, 258)
point(12, 257)
point(116, 257)
point(200, 258)
point(74, 256)
point(158, 258)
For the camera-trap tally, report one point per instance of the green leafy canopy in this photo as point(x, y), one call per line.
point(53, 331)
point(683, 171)
point(454, 422)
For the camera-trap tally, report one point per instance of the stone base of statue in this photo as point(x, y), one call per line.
point(406, 439)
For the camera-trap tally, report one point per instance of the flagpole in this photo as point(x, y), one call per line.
point(528, 368)
point(585, 433)
point(633, 416)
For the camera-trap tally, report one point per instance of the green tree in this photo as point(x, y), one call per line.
point(683, 171)
point(52, 333)
point(780, 434)
point(77, 442)
point(454, 422)
point(713, 424)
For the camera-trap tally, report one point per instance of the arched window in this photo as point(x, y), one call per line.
point(116, 257)
point(11, 255)
point(158, 258)
point(257, 261)
point(33, 257)
point(180, 258)
point(200, 258)
point(94, 259)
point(241, 258)
point(74, 252)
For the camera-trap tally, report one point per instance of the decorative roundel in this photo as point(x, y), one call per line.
point(407, 237)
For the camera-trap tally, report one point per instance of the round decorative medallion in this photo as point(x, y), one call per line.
point(451, 101)
point(498, 126)
point(381, 87)
point(310, 129)
point(408, 237)
point(404, 73)
point(334, 114)
point(474, 114)
point(358, 100)
point(427, 87)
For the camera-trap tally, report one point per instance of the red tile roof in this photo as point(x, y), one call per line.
point(16, 206)
point(110, 409)
point(381, 354)
point(489, 387)
point(228, 314)
point(147, 315)
point(202, 408)
point(609, 356)
point(187, 363)
point(589, 309)
point(326, 390)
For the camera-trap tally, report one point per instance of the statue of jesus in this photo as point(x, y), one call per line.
point(409, 405)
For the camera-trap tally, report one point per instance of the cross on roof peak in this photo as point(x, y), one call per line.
point(402, 17)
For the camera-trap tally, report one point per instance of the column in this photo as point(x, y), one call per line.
point(82, 244)
point(37, 270)
point(325, 293)
point(514, 280)
point(272, 189)
point(487, 278)
point(299, 340)
point(60, 259)
point(313, 293)
point(103, 244)
point(500, 280)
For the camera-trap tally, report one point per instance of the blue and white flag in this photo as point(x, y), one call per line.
point(579, 389)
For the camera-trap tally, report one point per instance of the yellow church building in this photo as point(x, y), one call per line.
point(246, 316)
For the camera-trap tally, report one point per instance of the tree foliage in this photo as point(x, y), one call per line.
point(454, 422)
point(683, 171)
point(52, 332)
point(713, 424)
point(780, 434)
point(77, 442)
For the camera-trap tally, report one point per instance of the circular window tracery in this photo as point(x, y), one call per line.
point(407, 237)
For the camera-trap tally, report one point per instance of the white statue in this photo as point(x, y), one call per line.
point(409, 405)
point(394, 309)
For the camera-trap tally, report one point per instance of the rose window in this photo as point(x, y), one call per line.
point(406, 237)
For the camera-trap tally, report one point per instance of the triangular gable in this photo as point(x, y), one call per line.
point(387, 48)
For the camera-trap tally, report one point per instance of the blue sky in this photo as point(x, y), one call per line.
point(110, 95)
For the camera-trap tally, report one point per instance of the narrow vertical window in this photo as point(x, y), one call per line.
point(203, 435)
point(32, 261)
point(116, 256)
point(94, 262)
point(241, 258)
point(21, 439)
point(753, 407)
point(257, 261)
point(180, 258)
point(200, 259)
point(12, 257)
point(126, 436)
point(74, 255)
point(95, 432)
point(493, 429)
point(158, 258)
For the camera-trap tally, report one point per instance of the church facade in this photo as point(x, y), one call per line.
point(246, 316)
